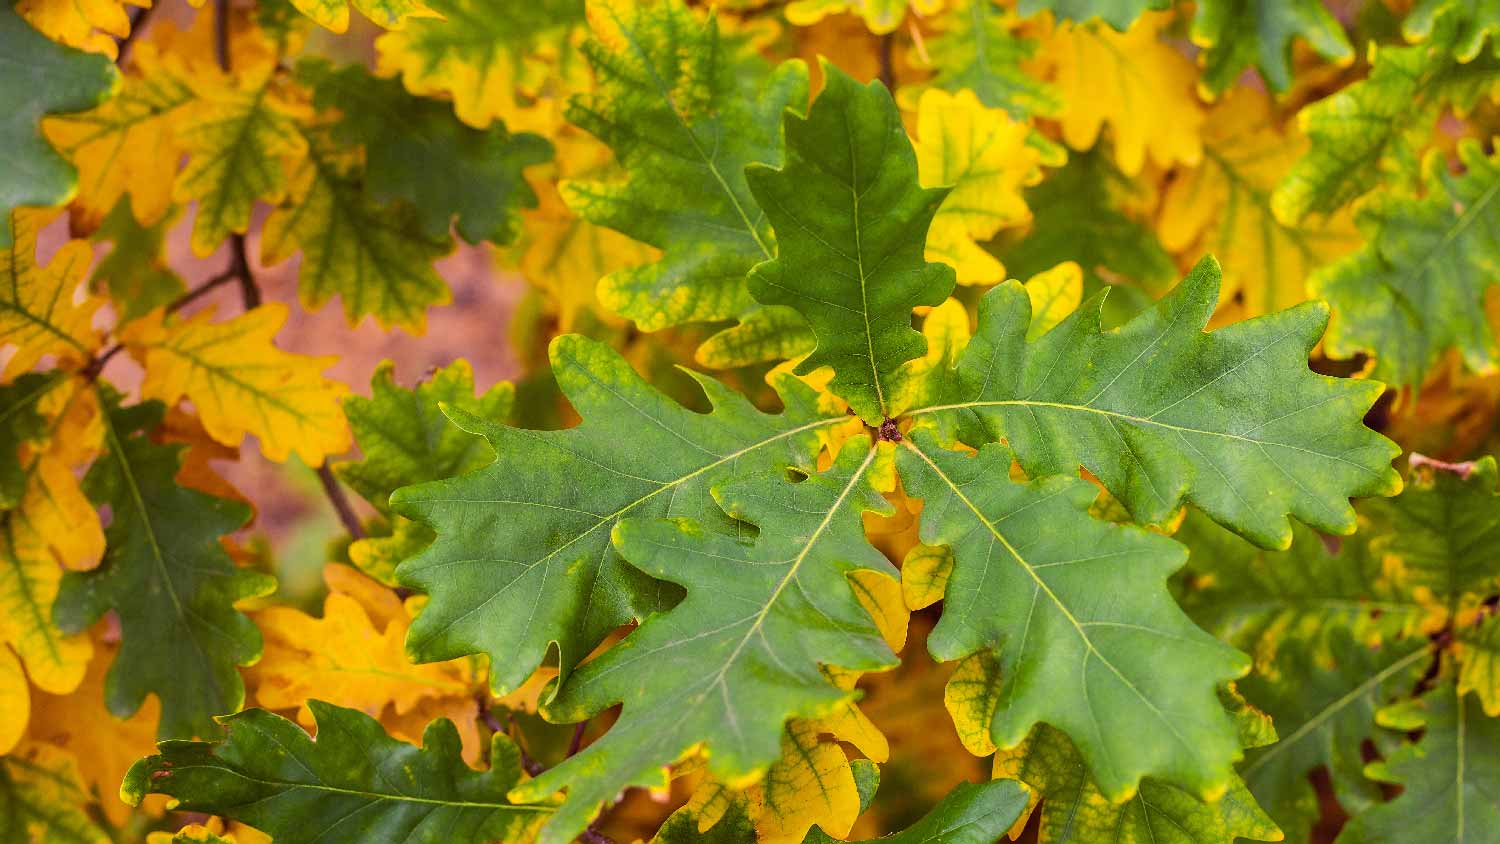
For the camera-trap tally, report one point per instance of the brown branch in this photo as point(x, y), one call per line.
point(577, 741)
point(340, 502)
point(96, 366)
point(887, 64)
point(137, 26)
point(239, 265)
point(221, 33)
point(201, 290)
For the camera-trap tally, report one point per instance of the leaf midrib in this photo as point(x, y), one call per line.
point(370, 795)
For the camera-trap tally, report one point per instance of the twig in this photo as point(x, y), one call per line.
point(239, 265)
point(137, 26)
point(221, 33)
point(594, 836)
point(577, 742)
point(340, 502)
point(96, 366)
point(201, 290)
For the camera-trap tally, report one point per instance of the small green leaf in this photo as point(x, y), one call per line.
point(1119, 14)
point(977, 51)
point(416, 150)
point(356, 779)
point(43, 77)
point(19, 423)
point(168, 579)
point(135, 272)
point(1258, 33)
point(851, 224)
point(740, 655)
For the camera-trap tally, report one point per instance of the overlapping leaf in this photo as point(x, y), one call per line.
point(986, 160)
point(1324, 708)
point(241, 383)
point(1223, 207)
point(851, 224)
point(61, 80)
point(1255, 599)
point(1161, 412)
point(1479, 664)
point(334, 14)
point(685, 109)
point(1075, 812)
point(135, 272)
point(493, 57)
point(41, 798)
point(168, 580)
point(1449, 777)
point(523, 558)
point(39, 314)
point(1417, 288)
point(1239, 34)
point(268, 773)
point(881, 16)
point(417, 151)
point(978, 51)
point(1372, 129)
point(1030, 567)
point(1120, 14)
point(740, 655)
point(376, 258)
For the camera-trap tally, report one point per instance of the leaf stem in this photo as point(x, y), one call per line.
point(887, 65)
point(340, 502)
point(137, 26)
point(577, 741)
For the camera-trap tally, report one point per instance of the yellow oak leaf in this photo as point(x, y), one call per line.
point(389, 14)
point(983, 154)
point(241, 383)
point(972, 696)
point(39, 312)
point(29, 578)
point(127, 145)
point(241, 138)
point(85, 24)
point(921, 381)
point(80, 724)
point(924, 575)
point(881, 16)
point(15, 701)
point(1223, 206)
point(53, 505)
point(509, 61)
point(1139, 86)
point(43, 786)
point(354, 656)
point(1054, 294)
point(212, 831)
point(811, 783)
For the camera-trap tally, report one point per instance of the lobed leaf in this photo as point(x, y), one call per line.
point(523, 561)
point(851, 224)
point(168, 579)
point(1080, 620)
point(268, 773)
point(39, 313)
point(739, 656)
point(1161, 412)
point(1240, 34)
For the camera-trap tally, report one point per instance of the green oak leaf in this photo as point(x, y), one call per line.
point(20, 423)
point(416, 150)
point(1323, 701)
point(167, 578)
point(1161, 412)
point(43, 77)
point(1238, 34)
point(1373, 128)
point(1077, 215)
point(523, 561)
point(1418, 286)
point(851, 225)
point(376, 257)
point(1253, 598)
point(1450, 777)
point(976, 50)
point(1477, 21)
point(1119, 14)
point(1075, 812)
point(1445, 532)
point(1030, 574)
point(405, 438)
point(268, 773)
point(684, 109)
point(135, 272)
point(740, 655)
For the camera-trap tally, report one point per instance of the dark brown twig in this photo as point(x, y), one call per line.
point(221, 33)
point(239, 266)
point(577, 742)
point(138, 21)
point(340, 502)
point(201, 290)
